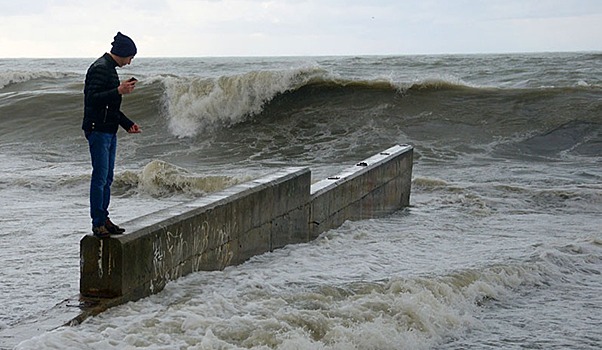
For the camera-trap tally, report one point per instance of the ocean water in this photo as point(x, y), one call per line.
point(500, 248)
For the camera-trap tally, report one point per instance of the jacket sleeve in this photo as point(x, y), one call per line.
point(124, 121)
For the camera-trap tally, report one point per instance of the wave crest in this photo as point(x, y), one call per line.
point(17, 77)
point(194, 104)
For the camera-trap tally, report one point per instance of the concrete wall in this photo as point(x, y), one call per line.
point(229, 227)
point(373, 187)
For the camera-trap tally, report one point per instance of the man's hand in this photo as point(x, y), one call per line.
point(135, 129)
point(126, 87)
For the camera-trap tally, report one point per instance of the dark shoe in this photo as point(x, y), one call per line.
point(101, 232)
point(112, 228)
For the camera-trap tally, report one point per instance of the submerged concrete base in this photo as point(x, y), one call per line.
point(225, 228)
point(69, 312)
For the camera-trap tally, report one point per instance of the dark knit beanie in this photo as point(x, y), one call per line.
point(123, 46)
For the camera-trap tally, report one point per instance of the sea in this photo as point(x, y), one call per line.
point(500, 248)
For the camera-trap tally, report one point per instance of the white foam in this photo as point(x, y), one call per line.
point(160, 178)
point(193, 104)
point(286, 300)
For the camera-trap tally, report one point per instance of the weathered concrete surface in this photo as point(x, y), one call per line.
point(206, 234)
point(373, 187)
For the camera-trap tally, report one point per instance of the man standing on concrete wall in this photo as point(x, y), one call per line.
point(102, 117)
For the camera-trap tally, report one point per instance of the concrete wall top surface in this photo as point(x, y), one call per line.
point(352, 172)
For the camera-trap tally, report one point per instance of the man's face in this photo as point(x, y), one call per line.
point(124, 61)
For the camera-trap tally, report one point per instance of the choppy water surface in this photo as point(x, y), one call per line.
point(501, 247)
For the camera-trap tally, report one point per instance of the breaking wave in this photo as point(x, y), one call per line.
point(162, 179)
point(158, 179)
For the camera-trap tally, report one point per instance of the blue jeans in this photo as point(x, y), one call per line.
point(103, 147)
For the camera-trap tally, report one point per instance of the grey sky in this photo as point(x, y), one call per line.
point(70, 28)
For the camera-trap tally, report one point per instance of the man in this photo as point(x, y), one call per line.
point(102, 118)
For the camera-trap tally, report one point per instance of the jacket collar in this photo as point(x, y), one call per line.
point(110, 59)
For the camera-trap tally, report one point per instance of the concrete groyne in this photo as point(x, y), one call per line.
point(222, 229)
point(248, 219)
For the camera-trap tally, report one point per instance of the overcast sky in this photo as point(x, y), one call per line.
point(167, 28)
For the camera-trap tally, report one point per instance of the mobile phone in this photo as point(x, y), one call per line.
point(132, 79)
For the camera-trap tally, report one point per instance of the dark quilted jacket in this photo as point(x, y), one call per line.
point(102, 102)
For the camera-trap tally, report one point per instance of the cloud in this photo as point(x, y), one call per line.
point(70, 28)
point(23, 7)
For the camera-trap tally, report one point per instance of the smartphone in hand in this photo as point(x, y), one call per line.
point(132, 79)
